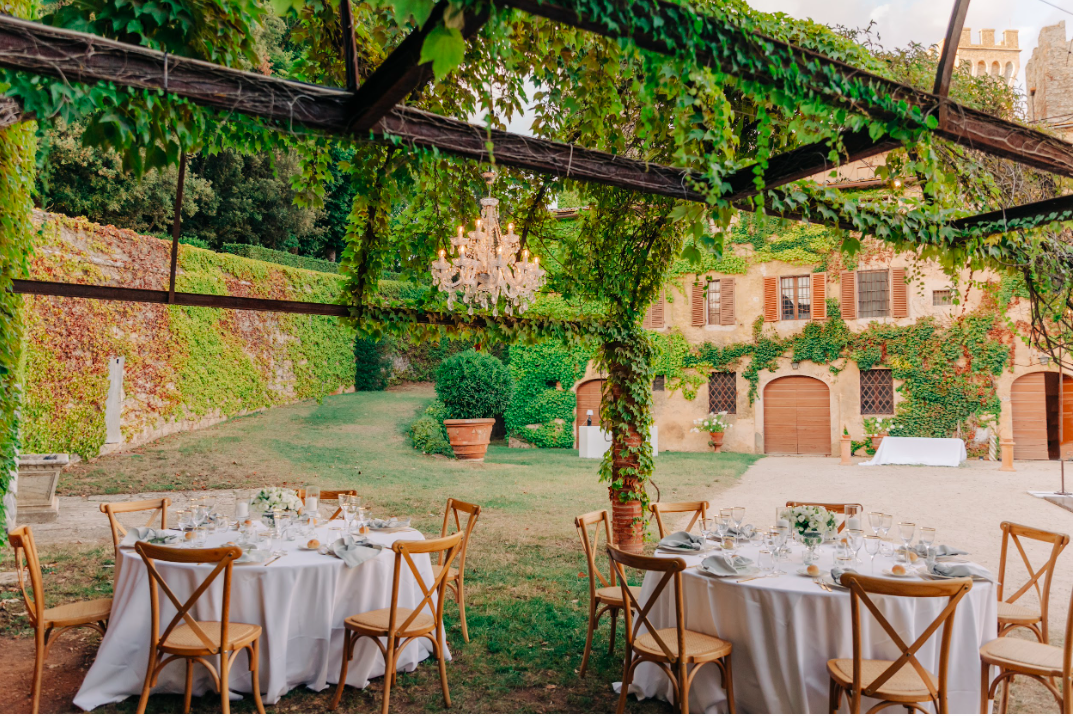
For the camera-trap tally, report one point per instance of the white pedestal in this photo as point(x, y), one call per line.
point(592, 442)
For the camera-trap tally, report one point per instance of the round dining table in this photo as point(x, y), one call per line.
point(300, 601)
point(784, 629)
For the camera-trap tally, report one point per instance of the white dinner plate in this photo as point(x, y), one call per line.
point(910, 574)
point(803, 571)
point(830, 582)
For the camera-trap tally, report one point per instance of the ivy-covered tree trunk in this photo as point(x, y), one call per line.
point(627, 357)
point(17, 148)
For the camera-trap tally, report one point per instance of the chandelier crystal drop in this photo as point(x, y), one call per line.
point(487, 270)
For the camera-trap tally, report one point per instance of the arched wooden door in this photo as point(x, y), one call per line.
point(1034, 401)
point(589, 397)
point(797, 416)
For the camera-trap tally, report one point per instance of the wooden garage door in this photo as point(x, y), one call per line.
point(797, 416)
point(589, 395)
point(1028, 398)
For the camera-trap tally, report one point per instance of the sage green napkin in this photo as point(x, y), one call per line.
point(723, 566)
point(150, 535)
point(965, 569)
point(253, 556)
point(837, 572)
point(681, 540)
point(391, 524)
point(746, 532)
point(354, 552)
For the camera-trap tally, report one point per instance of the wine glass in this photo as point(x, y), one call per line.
point(872, 543)
point(888, 522)
point(343, 501)
point(738, 515)
point(927, 538)
point(875, 521)
point(722, 526)
point(906, 530)
point(705, 524)
point(853, 517)
point(855, 540)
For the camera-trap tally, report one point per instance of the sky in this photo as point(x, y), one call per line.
point(900, 22)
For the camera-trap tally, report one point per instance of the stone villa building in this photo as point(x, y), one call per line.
point(987, 57)
point(1049, 80)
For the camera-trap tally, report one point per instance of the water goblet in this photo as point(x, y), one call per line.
point(738, 515)
point(183, 517)
point(927, 538)
point(765, 561)
point(875, 521)
point(704, 524)
point(888, 522)
point(855, 540)
point(906, 530)
point(872, 543)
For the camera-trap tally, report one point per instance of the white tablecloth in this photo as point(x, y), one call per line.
point(940, 452)
point(784, 629)
point(300, 600)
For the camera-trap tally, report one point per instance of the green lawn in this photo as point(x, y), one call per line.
point(527, 592)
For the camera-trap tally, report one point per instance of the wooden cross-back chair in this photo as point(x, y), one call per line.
point(699, 508)
point(189, 639)
point(674, 649)
point(1010, 614)
point(605, 598)
point(159, 508)
point(1050, 665)
point(49, 622)
point(329, 496)
point(456, 576)
point(838, 509)
point(904, 681)
point(398, 626)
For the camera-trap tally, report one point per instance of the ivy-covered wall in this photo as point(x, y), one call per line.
point(184, 366)
point(542, 410)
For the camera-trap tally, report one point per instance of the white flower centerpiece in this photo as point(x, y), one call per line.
point(810, 518)
point(269, 499)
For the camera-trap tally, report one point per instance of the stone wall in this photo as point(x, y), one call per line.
point(1049, 80)
point(185, 368)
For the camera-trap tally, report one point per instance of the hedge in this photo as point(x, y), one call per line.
point(261, 253)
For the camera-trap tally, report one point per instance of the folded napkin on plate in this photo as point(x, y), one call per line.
point(681, 540)
point(723, 566)
point(965, 569)
point(253, 556)
point(837, 572)
point(391, 524)
point(941, 550)
point(150, 535)
point(746, 532)
point(354, 552)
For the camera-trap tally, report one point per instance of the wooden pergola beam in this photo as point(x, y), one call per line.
point(401, 73)
point(945, 73)
point(242, 303)
point(1036, 213)
point(964, 126)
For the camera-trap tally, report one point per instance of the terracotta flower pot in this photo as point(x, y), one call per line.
point(716, 441)
point(470, 437)
point(876, 440)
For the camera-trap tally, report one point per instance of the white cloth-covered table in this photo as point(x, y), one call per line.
point(784, 629)
point(940, 452)
point(300, 601)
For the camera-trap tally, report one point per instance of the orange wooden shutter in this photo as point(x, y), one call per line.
point(849, 295)
point(771, 298)
point(700, 295)
point(819, 296)
point(899, 301)
point(726, 301)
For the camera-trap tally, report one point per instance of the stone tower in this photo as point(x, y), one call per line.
point(1049, 79)
point(1001, 59)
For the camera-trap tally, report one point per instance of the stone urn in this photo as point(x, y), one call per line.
point(38, 476)
point(716, 441)
point(470, 437)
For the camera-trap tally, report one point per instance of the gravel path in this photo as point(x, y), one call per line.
point(966, 505)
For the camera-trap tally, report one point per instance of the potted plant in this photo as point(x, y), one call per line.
point(715, 424)
point(474, 388)
point(877, 429)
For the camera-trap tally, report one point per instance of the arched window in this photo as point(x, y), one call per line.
point(981, 69)
point(995, 69)
point(1008, 73)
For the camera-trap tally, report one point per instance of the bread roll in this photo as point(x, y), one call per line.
point(813, 570)
point(897, 569)
point(313, 543)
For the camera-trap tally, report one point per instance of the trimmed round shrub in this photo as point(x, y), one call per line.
point(473, 385)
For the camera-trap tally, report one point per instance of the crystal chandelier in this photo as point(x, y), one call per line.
point(487, 267)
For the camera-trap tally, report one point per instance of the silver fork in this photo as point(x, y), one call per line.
point(822, 585)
